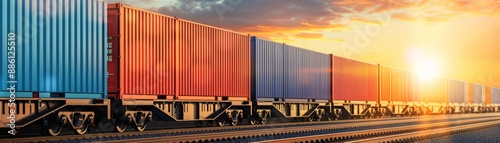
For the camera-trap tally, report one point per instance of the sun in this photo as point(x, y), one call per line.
point(427, 70)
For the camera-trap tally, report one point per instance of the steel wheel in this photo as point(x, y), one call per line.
point(120, 126)
point(198, 123)
point(234, 123)
point(221, 123)
point(251, 121)
point(263, 122)
point(140, 128)
point(52, 126)
point(85, 127)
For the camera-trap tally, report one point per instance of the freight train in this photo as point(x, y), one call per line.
point(72, 64)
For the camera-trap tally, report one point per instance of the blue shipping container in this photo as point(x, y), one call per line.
point(307, 74)
point(495, 95)
point(267, 69)
point(477, 94)
point(457, 91)
point(59, 47)
point(285, 72)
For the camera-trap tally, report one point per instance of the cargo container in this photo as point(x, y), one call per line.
point(396, 85)
point(434, 91)
point(354, 80)
point(355, 87)
point(495, 99)
point(267, 70)
point(385, 84)
point(307, 74)
point(434, 95)
point(476, 93)
point(295, 81)
point(153, 56)
point(212, 62)
point(56, 56)
point(487, 95)
point(457, 93)
point(181, 70)
point(396, 90)
point(475, 98)
point(495, 95)
point(67, 52)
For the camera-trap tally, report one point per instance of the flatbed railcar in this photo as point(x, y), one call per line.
point(98, 62)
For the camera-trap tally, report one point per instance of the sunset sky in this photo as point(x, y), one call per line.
point(460, 39)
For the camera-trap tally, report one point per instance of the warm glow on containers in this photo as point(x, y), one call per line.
point(354, 80)
point(157, 56)
point(396, 85)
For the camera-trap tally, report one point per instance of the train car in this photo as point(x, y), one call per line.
point(434, 95)
point(355, 88)
point(289, 82)
point(475, 99)
point(397, 89)
point(487, 99)
point(163, 68)
point(495, 99)
point(56, 57)
point(457, 96)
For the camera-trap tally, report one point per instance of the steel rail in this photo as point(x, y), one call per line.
point(221, 130)
point(215, 137)
point(383, 132)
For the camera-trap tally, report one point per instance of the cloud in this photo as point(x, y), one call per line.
point(309, 35)
point(364, 20)
point(292, 17)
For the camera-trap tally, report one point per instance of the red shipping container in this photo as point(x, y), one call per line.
point(155, 56)
point(354, 80)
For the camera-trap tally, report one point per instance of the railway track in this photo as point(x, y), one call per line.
point(410, 133)
point(184, 129)
point(269, 132)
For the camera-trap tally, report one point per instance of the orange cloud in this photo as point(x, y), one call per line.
point(309, 35)
point(365, 20)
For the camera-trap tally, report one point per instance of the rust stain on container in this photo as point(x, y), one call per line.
point(156, 55)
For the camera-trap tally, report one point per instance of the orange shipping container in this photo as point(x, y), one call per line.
point(396, 85)
point(434, 91)
point(488, 95)
point(153, 56)
point(385, 83)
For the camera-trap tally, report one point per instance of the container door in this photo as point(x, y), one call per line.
point(113, 52)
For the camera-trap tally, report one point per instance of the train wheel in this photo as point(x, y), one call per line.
point(251, 121)
point(52, 126)
point(234, 123)
point(120, 126)
point(221, 122)
point(140, 128)
point(198, 123)
point(210, 123)
point(263, 122)
point(87, 125)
